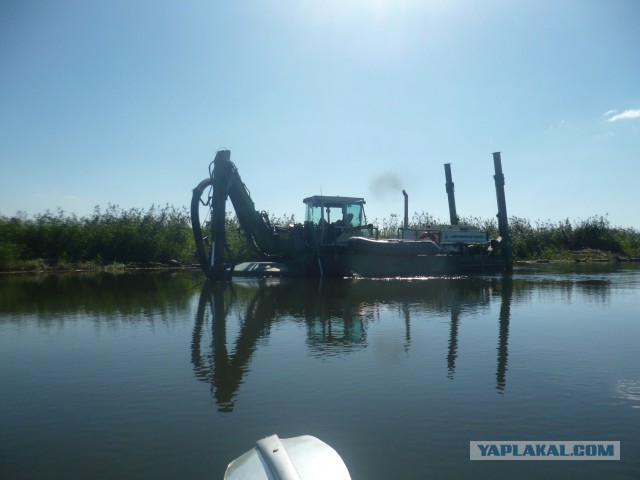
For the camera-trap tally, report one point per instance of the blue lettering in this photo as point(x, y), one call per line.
point(578, 450)
point(605, 451)
point(540, 450)
point(493, 450)
point(592, 450)
point(483, 449)
point(504, 449)
point(528, 451)
point(553, 451)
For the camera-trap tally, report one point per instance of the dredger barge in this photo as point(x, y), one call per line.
point(335, 238)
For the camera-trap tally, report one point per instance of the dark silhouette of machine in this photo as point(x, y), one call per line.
point(335, 238)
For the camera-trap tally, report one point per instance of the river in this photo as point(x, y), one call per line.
point(157, 375)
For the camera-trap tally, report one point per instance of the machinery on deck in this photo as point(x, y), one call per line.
point(335, 238)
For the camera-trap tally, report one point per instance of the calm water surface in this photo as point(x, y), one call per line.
point(158, 376)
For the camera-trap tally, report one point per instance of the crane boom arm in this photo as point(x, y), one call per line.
point(226, 183)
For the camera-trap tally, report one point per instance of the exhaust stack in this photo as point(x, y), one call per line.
point(453, 216)
point(406, 209)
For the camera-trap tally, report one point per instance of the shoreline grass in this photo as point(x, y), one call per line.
point(591, 239)
point(115, 239)
point(106, 238)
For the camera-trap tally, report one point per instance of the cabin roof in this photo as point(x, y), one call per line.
point(324, 199)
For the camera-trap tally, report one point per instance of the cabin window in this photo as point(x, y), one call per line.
point(314, 213)
point(339, 213)
point(354, 215)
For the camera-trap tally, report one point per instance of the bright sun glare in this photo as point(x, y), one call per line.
point(379, 28)
point(357, 11)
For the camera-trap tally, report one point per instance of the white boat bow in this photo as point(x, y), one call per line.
point(298, 458)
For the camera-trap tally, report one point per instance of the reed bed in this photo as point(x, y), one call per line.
point(115, 238)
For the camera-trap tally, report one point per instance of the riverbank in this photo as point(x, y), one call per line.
point(41, 266)
point(586, 255)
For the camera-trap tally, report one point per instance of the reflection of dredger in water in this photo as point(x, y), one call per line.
point(223, 362)
point(260, 303)
point(337, 314)
point(212, 361)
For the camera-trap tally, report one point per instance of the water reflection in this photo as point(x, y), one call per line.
point(628, 391)
point(453, 341)
point(506, 289)
point(54, 297)
point(232, 320)
point(92, 361)
point(216, 365)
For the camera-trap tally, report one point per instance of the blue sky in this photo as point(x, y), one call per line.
point(126, 102)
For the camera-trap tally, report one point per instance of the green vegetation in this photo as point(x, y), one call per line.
point(584, 239)
point(106, 238)
point(115, 238)
point(593, 238)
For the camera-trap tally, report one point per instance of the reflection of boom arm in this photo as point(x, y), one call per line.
point(226, 182)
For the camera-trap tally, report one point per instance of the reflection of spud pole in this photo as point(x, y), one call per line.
point(503, 335)
point(453, 340)
point(503, 223)
point(407, 326)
